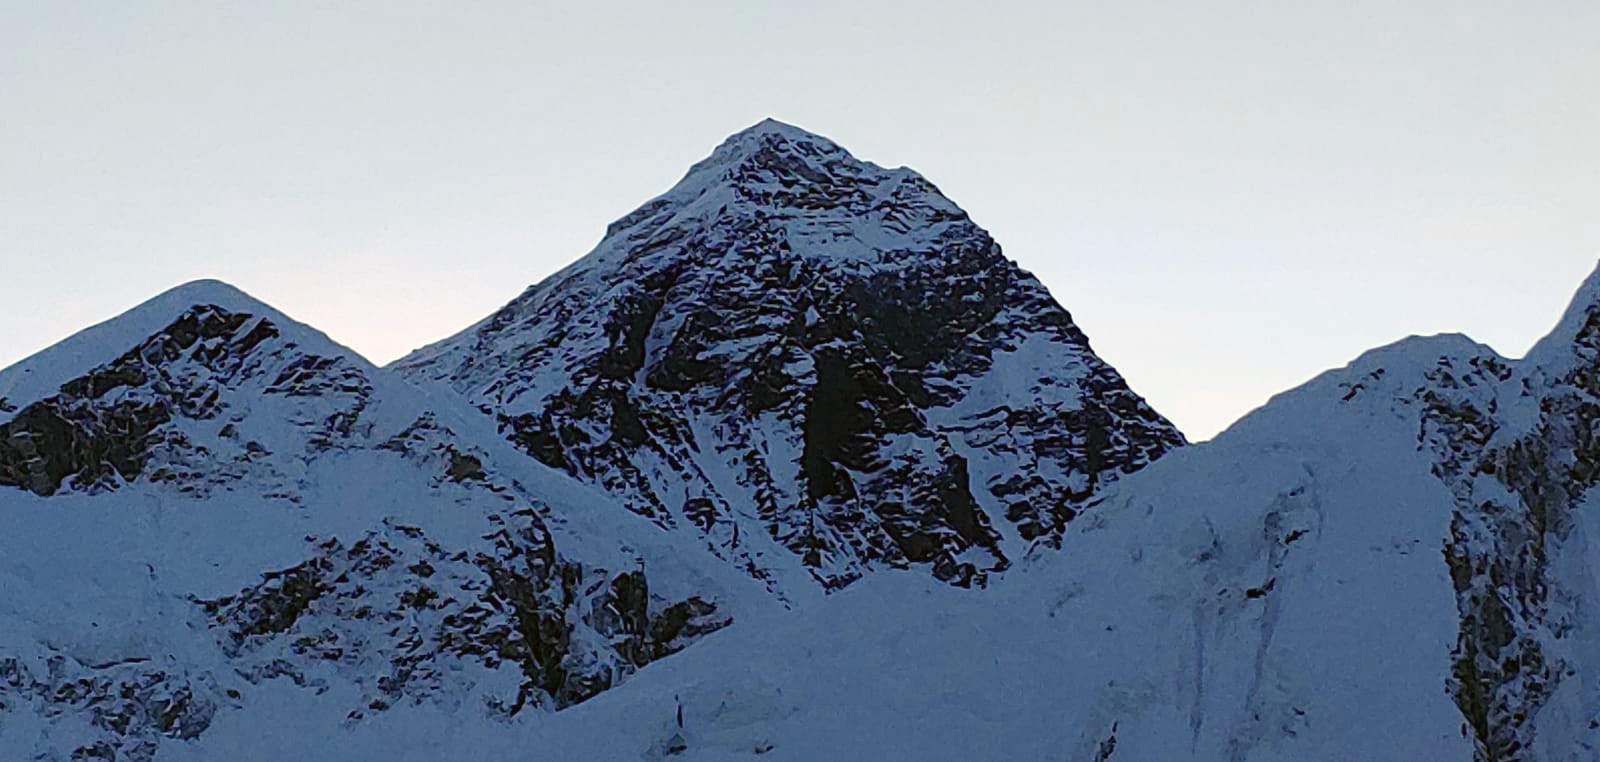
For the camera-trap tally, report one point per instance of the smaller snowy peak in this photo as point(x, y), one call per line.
point(306, 520)
point(133, 416)
point(1451, 372)
point(1399, 362)
point(195, 389)
point(1416, 355)
point(43, 373)
point(1391, 380)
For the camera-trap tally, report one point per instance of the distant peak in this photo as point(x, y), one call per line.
point(43, 373)
point(1421, 352)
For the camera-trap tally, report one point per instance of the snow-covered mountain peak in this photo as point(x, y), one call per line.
point(807, 397)
point(42, 374)
point(1395, 382)
point(154, 313)
point(1395, 365)
point(818, 365)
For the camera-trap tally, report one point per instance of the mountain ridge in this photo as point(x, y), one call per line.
point(795, 465)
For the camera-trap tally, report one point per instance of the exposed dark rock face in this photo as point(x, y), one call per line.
point(396, 611)
point(1521, 619)
point(796, 353)
point(1499, 677)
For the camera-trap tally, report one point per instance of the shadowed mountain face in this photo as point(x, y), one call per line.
point(817, 365)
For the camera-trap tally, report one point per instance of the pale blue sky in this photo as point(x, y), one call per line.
point(1230, 197)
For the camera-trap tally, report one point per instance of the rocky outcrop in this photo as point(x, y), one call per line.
point(398, 613)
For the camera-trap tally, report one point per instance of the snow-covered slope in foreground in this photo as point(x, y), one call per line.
point(1234, 604)
point(205, 505)
point(1388, 563)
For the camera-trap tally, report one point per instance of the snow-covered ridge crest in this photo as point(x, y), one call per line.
point(43, 373)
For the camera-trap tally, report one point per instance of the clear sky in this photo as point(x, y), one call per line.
point(1229, 199)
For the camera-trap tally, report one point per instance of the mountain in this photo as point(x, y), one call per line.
point(203, 501)
point(779, 472)
point(814, 365)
